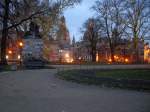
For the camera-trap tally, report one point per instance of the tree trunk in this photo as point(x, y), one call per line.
point(111, 51)
point(3, 47)
point(112, 54)
point(136, 50)
point(4, 33)
point(93, 54)
point(93, 57)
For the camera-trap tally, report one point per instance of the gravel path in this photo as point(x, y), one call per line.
point(41, 91)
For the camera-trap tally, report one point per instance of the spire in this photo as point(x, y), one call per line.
point(73, 41)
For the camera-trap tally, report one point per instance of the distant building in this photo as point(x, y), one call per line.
point(82, 51)
point(123, 51)
point(147, 53)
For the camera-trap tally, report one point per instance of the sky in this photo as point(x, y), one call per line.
point(76, 17)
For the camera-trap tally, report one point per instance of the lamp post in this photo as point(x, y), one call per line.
point(20, 44)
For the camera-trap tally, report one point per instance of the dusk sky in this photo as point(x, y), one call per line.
point(76, 16)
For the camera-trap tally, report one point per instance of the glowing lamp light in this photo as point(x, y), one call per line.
point(79, 58)
point(116, 57)
point(67, 55)
point(10, 52)
point(97, 58)
point(7, 57)
point(19, 57)
point(69, 60)
point(110, 60)
point(126, 60)
point(20, 44)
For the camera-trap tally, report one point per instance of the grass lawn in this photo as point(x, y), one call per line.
point(125, 74)
point(117, 74)
point(131, 79)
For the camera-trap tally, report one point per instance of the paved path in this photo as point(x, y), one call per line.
point(41, 91)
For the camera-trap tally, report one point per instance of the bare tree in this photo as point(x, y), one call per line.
point(138, 20)
point(92, 35)
point(111, 13)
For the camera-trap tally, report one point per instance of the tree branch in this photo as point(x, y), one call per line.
point(25, 19)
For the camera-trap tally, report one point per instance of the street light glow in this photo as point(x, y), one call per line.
point(126, 60)
point(7, 57)
point(10, 52)
point(19, 57)
point(67, 55)
point(97, 58)
point(110, 60)
point(20, 44)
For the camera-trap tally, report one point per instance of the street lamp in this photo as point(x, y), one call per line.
point(9, 52)
point(20, 44)
point(20, 49)
point(7, 57)
point(19, 57)
point(67, 55)
point(126, 60)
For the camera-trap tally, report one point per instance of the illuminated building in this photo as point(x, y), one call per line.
point(123, 52)
point(147, 53)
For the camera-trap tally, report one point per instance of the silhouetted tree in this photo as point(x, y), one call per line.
point(111, 13)
point(91, 35)
point(138, 22)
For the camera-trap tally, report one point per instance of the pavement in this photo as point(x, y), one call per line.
point(42, 91)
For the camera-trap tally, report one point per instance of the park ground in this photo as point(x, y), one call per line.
point(41, 91)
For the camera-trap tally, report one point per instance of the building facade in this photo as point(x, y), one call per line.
point(123, 52)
